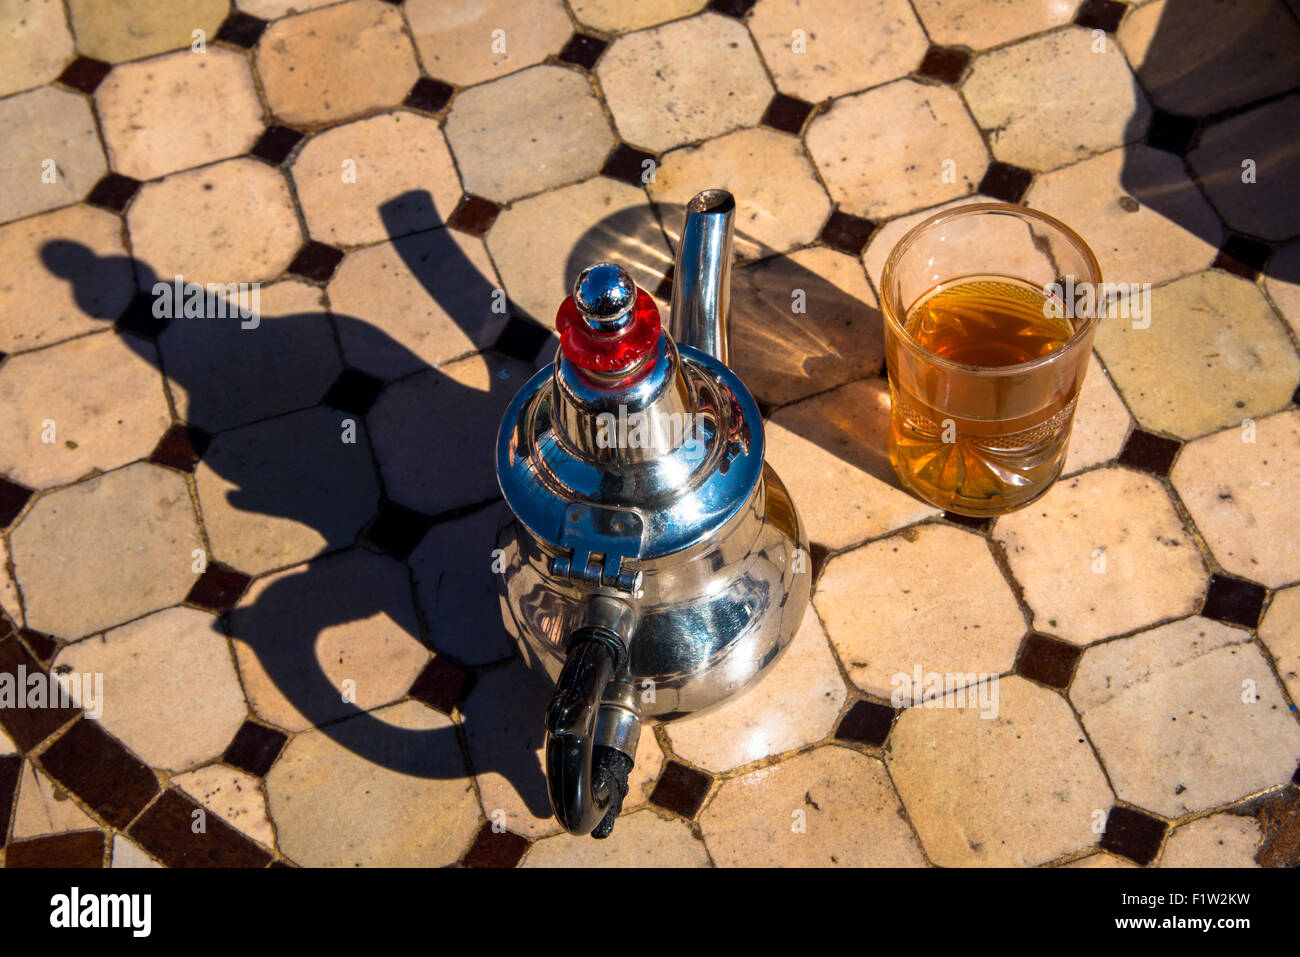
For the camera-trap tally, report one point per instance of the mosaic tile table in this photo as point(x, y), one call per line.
point(298, 632)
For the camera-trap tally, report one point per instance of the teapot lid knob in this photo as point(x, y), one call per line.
point(608, 326)
point(605, 295)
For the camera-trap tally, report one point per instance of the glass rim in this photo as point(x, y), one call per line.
point(909, 238)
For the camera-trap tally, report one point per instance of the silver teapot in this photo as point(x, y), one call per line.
point(654, 566)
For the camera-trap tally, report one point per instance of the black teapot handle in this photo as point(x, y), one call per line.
point(587, 781)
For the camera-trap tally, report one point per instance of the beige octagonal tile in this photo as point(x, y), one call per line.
point(584, 223)
point(897, 148)
point(376, 179)
point(35, 43)
point(466, 44)
point(528, 132)
point(794, 705)
point(1101, 554)
point(978, 24)
point(1186, 716)
point(421, 300)
point(803, 323)
point(1199, 57)
point(1212, 355)
point(1260, 201)
point(1101, 422)
point(1040, 789)
point(435, 432)
point(1137, 210)
point(505, 730)
point(131, 29)
point(618, 16)
point(1280, 632)
point(684, 81)
point(643, 839)
point(331, 64)
point(892, 608)
point(52, 155)
point(170, 692)
point(1051, 100)
point(157, 115)
point(399, 797)
point(1240, 487)
point(832, 453)
point(319, 642)
point(819, 49)
point(280, 491)
point(106, 550)
point(831, 807)
point(231, 222)
point(1282, 280)
point(116, 413)
point(1220, 840)
point(779, 203)
point(223, 375)
point(66, 272)
point(234, 796)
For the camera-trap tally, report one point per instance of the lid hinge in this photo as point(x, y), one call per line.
point(601, 541)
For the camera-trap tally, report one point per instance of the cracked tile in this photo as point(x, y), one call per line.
point(35, 44)
point(376, 179)
point(465, 45)
point(1101, 554)
point(1213, 355)
point(779, 203)
point(558, 133)
point(181, 225)
point(1051, 100)
point(53, 156)
point(1240, 482)
point(132, 29)
point(404, 801)
point(981, 25)
point(903, 585)
point(148, 705)
point(684, 81)
point(1041, 790)
point(846, 45)
point(106, 550)
point(860, 143)
point(331, 64)
point(115, 415)
point(322, 641)
point(157, 114)
point(643, 839)
point(794, 705)
point(1186, 716)
point(830, 451)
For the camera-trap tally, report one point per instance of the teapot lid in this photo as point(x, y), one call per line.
point(628, 446)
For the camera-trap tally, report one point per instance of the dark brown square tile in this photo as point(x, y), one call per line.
point(354, 391)
point(583, 50)
point(440, 685)
point(787, 113)
point(429, 96)
point(12, 499)
point(681, 789)
point(181, 447)
point(275, 144)
point(167, 832)
point(522, 339)
point(28, 726)
point(316, 261)
point(1005, 182)
point(847, 233)
point(1242, 257)
point(1133, 834)
point(396, 530)
point(732, 8)
point(1170, 133)
point(138, 318)
point(85, 74)
point(1048, 661)
point(474, 215)
point(1234, 600)
point(113, 192)
point(218, 588)
point(1101, 15)
point(492, 849)
point(628, 165)
point(946, 64)
point(255, 748)
point(93, 765)
point(78, 849)
point(1149, 453)
point(241, 29)
point(981, 523)
point(866, 723)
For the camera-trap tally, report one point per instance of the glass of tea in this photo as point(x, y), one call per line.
point(988, 330)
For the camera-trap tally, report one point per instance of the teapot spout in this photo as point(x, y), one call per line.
point(702, 276)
